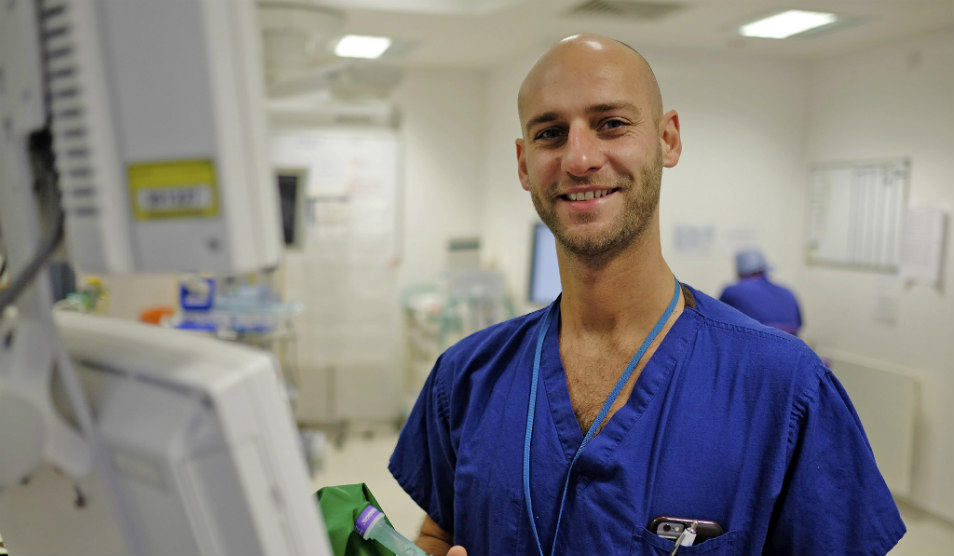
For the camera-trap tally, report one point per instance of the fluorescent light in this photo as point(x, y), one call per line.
point(360, 46)
point(786, 24)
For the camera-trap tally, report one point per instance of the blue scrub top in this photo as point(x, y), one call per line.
point(729, 421)
point(766, 302)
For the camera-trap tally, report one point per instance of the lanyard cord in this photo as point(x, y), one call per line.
point(531, 410)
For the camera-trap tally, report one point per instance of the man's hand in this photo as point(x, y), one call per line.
point(437, 541)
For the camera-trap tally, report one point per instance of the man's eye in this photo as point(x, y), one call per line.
point(614, 124)
point(549, 134)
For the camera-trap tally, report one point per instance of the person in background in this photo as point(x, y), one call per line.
point(632, 397)
point(758, 297)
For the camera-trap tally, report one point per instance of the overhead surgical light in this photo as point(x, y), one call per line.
point(786, 24)
point(362, 46)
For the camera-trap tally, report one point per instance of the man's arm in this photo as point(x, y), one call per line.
point(437, 541)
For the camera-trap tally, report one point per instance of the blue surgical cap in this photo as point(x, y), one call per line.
point(750, 261)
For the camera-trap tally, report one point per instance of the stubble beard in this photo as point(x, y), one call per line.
point(641, 200)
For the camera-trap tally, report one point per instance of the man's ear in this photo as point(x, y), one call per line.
point(522, 165)
point(670, 138)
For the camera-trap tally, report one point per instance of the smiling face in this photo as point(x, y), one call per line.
point(594, 144)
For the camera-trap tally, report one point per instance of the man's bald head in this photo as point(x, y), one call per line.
point(587, 51)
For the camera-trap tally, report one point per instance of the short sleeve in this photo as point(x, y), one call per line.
point(834, 499)
point(424, 458)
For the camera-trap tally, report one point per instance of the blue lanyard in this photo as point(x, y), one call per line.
point(531, 410)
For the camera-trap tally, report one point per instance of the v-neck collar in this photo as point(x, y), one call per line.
point(655, 374)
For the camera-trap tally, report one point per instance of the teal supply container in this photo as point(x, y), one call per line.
point(371, 525)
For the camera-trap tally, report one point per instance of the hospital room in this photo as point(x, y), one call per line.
point(331, 276)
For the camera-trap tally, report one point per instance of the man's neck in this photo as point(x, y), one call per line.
point(621, 297)
point(607, 311)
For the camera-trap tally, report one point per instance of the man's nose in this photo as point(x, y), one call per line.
point(584, 152)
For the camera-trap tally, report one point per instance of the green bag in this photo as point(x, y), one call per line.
point(340, 507)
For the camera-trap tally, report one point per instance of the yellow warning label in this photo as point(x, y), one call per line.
point(173, 189)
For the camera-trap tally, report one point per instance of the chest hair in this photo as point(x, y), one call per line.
point(593, 366)
point(591, 374)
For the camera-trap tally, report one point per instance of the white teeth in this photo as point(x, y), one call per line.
point(586, 196)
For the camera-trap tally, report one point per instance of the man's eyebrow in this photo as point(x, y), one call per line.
point(547, 117)
point(600, 108)
point(541, 119)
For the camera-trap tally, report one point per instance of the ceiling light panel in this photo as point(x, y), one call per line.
point(362, 46)
point(786, 24)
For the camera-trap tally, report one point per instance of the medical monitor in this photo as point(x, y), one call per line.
point(291, 199)
point(158, 162)
point(159, 133)
point(198, 440)
point(544, 270)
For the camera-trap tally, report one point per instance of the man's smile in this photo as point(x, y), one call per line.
point(587, 195)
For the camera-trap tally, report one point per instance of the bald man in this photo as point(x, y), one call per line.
point(632, 397)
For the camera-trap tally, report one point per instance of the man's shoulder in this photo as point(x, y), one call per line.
point(470, 367)
point(759, 356)
point(510, 332)
point(728, 325)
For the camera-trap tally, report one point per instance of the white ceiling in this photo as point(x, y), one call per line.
point(483, 33)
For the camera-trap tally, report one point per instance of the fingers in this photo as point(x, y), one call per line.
point(457, 551)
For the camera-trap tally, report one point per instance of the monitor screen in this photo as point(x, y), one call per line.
point(544, 270)
point(201, 453)
point(289, 186)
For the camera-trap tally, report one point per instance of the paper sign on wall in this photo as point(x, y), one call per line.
point(923, 242)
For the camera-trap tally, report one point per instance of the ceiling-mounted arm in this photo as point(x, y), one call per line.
point(30, 350)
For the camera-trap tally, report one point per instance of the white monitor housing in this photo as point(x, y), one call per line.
point(118, 437)
point(201, 444)
point(159, 134)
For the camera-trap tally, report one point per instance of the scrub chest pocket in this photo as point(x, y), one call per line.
point(647, 543)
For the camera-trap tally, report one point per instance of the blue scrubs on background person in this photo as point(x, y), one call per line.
point(758, 297)
point(729, 421)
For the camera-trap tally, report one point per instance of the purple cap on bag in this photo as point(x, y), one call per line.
point(366, 520)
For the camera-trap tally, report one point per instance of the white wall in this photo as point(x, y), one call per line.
point(507, 213)
point(442, 129)
point(895, 101)
point(743, 129)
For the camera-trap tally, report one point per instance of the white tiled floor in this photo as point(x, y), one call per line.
point(363, 457)
point(927, 535)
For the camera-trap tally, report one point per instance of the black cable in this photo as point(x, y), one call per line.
point(45, 183)
point(41, 157)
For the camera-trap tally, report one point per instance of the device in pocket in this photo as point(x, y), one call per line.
point(669, 527)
